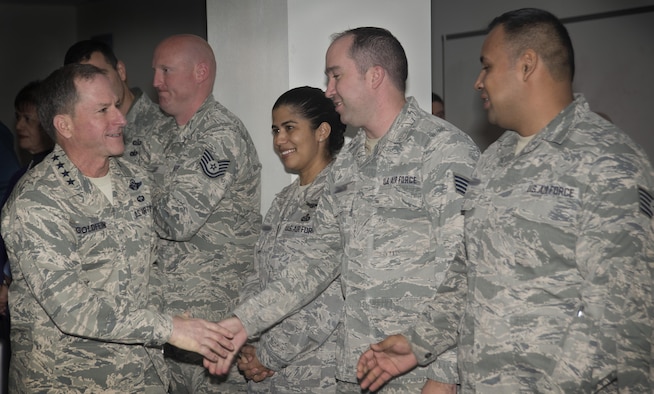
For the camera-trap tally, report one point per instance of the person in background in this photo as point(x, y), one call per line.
point(300, 352)
point(142, 115)
point(33, 139)
point(9, 163)
point(558, 235)
point(86, 294)
point(394, 197)
point(31, 135)
point(207, 205)
point(437, 106)
point(8, 166)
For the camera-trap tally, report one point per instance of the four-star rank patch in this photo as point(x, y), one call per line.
point(645, 202)
point(211, 167)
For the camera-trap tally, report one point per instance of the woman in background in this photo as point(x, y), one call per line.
point(298, 354)
point(33, 139)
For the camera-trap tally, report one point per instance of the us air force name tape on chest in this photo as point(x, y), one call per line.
point(211, 167)
point(554, 190)
point(645, 202)
point(400, 179)
point(304, 227)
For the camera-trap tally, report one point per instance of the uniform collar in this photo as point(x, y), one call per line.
point(556, 131)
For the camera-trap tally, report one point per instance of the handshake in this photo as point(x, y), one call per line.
point(219, 344)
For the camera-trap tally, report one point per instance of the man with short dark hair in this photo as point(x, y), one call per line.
point(86, 297)
point(558, 237)
point(143, 116)
point(393, 200)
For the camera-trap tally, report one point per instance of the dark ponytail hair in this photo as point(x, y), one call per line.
point(312, 104)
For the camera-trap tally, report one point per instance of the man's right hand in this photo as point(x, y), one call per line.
point(222, 365)
point(211, 340)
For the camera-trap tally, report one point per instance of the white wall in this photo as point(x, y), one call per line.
point(250, 41)
point(265, 47)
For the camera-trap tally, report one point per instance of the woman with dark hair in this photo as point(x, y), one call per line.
point(298, 353)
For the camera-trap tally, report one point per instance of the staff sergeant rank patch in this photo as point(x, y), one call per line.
point(461, 184)
point(645, 202)
point(211, 167)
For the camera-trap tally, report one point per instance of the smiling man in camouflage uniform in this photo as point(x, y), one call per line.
point(142, 115)
point(558, 236)
point(86, 299)
point(394, 197)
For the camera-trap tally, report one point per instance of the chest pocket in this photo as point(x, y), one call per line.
point(396, 197)
point(547, 205)
point(96, 241)
point(546, 226)
point(300, 223)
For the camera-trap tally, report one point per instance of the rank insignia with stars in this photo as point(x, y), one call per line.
point(211, 167)
point(65, 173)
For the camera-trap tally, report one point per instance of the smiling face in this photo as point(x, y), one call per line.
point(346, 86)
point(499, 80)
point(94, 132)
point(116, 76)
point(301, 148)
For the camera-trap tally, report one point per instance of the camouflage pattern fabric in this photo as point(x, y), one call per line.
point(559, 245)
point(144, 142)
point(399, 214)
point(207, 214)
point(302, 347)
point(84, 311)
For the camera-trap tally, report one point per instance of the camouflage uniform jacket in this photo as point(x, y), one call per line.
point(143, 142)
point(559, 244)
point(84, 309)
point(398, 212)
point(207, 211)
point(302, 347)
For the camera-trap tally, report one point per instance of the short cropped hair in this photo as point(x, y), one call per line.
point(58, 93)
point(375, 46)
point(543, 32)
point(82, 51)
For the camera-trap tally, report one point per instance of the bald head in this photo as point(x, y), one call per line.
point(194, 49)
point(184, 73)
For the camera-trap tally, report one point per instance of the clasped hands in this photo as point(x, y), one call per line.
point(230, 344)
point(383, 361)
